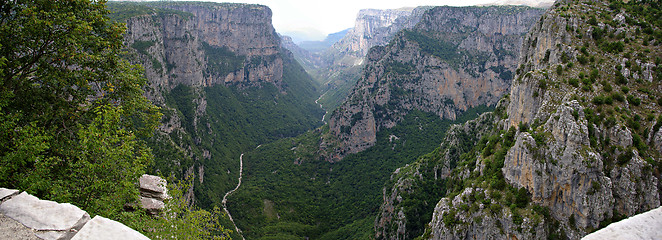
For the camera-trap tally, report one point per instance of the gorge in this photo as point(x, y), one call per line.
point(427, 122)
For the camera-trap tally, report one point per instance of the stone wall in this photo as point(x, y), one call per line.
point(23, 216)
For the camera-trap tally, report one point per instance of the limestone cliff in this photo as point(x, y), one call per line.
point(344, 60)
point(573, 150)
point(207, 44)
point(582, 167)
point(373, 27)
point(453, 60)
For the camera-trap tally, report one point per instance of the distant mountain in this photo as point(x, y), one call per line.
point(309, 61)
point(302, 35)
point(321, 46)
point(453, 60)
point(373, 27)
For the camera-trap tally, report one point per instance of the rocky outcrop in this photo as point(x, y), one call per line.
point(561, 172)
point(51, 220)
point(563, 169)
point(477, 220)
point(640, 226)
point(391, 221)
point(153, 193)
point(453, 60)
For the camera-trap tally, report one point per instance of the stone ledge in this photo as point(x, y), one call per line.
point(642, 226)
point(51, 220)
point(102, 228)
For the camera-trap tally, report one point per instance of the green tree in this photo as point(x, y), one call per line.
point(71, 108)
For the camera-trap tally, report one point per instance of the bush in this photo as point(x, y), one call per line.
point(634, 100)
point(559, 69)
point(522, 198)
point(607, 87)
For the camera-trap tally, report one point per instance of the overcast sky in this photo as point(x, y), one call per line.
point(319, 18)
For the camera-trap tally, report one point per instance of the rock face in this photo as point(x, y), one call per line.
point(569, 153)
point(453, 60)
point(207, 44)
point(640, 226)
point(343, 61)
point(562, 173)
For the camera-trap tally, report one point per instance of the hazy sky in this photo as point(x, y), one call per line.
point(319, 18)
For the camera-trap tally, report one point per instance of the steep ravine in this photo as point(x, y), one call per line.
point(218, 71)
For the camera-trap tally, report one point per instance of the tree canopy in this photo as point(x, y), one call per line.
point(71, 109)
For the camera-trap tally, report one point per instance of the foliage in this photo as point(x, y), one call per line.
point(446, 51)
point(236, 119)
point(122, 11)
point(221, 60)
point(179, 220)
point(344, 195)
point(72, 109)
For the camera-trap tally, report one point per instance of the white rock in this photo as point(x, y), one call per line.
point(53, 220)
point(153, 187)
point(101, 228)
point(647, 225)
point(152, 205)
point(4, 193)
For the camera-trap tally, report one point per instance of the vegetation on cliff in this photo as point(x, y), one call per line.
point(581, 130)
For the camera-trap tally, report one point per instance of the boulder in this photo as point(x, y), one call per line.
point(153, 206)
point(153, 187)
point(101, 228)
point(50, 219)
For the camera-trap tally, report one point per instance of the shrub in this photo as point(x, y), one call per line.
point(522, 198)
point(559, 69)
